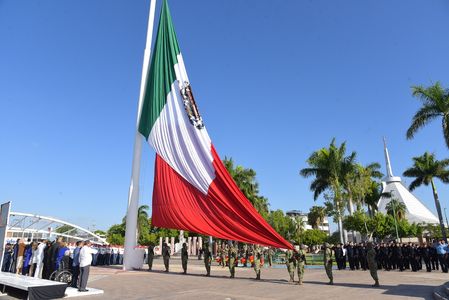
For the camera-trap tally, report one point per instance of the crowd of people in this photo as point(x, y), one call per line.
point(353, 256)
point(44, 259)
point(394, 256)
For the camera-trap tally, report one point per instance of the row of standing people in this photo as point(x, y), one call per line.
point(229, 256)
point(394, 256)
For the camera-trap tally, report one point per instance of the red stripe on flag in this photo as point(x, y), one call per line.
point(223, 213)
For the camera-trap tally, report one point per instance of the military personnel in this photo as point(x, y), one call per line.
point(397, 256)
point(207, 257)
point(166, 256)
point(301, 261)
point(372, 264)
point(350, 253)
point(150, 257)
point(270, 256)
point(232, 255)
point(219, 250)
point(223, 257)
point(291, 264)
point(257, 256)
point(338, 250)
point(328, 262)
point(245, 254)
point(184, 257)
point(426, 255)
point(434, 255)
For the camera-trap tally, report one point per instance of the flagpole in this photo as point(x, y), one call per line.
point(129, 261)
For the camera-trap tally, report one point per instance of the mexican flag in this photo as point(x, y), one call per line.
point(192, 189)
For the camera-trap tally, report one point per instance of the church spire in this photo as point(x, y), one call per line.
point(387, 160)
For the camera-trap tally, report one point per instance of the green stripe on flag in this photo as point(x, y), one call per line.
point(161, 73)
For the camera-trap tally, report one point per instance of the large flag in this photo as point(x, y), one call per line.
point(192, 189)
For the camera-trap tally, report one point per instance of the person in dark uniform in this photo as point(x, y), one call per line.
point(408, 256)
point(150, 257)
point(184, 257)
point(166, 256)
point(411, 260)
point(434, 256)
point(53, 253)
point(426, 255)
point(378, 256)
point(362, 257)
point(350, 254)
point(338, 251)
point(356, 257)
point(397, 256)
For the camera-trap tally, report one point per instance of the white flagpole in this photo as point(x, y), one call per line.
point(129, 260)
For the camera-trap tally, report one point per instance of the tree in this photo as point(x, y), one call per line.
point(396, 209)
point(372, 197)
point(425, 168)
point(283, 224)
point(329, 167)
point(116, 234)
point(297, 228)
point(100, 232)
point(435, 104)
point(142, 219)
point(313, 237)
point(316, 216)
point(246, 181)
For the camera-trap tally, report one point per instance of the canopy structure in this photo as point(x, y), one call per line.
point(25, 225)
point(416, 211)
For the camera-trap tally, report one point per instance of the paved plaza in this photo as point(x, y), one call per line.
point(274, 284)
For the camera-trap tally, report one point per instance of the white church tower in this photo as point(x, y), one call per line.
point(416, 211)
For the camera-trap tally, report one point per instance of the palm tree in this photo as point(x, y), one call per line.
point(142, 218)
point(359, 182)
point(246, 181)
point(425, 168)
point(328, 166)
point(396, 209)
point(435, 100)
point(316, 215)
point(372, 197)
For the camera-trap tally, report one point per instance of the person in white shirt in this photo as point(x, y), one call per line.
point(38, 258)
point(85, 262)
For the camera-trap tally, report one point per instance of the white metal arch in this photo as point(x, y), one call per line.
point(46, 226)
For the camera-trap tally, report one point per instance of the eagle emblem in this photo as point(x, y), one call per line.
point(190, 106)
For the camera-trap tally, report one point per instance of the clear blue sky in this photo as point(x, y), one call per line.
point(274, 81)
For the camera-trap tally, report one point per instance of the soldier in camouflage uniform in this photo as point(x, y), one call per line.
point(270, 256)
point(372, 264)
point(328, 262)
point(184, 257)
point(245, 254)
point(232, 255)
point(301, 261)
point(207, 257)
point(290, 261)
point(257, 256)
point(219, 250)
